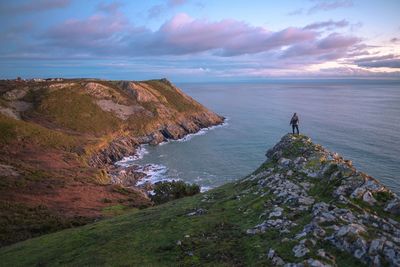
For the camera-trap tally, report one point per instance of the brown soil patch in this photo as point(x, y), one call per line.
point(78, 199)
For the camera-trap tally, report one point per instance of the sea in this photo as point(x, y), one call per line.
point(359, 119)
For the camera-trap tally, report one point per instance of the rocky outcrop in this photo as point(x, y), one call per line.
point(114, 151)
point(346, 209)
point(167, 120)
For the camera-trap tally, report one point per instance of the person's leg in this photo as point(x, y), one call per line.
point(293, 128)
point(297, 129)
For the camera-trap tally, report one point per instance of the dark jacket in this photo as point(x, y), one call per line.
point(294, 120)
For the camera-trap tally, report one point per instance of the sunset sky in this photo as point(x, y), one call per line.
point(198, 40)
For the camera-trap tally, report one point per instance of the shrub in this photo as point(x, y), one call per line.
point(166, 191)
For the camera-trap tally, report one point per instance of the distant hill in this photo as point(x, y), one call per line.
point(305, 206)
point(59, 139)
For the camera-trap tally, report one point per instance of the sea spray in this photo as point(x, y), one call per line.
point(158, 172)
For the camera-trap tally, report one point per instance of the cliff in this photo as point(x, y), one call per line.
point(59, 140)
point(305, 206)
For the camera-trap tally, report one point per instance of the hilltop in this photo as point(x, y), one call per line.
point(59, 140)
point(304, 206)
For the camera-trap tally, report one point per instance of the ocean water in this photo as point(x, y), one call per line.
point(359, 119)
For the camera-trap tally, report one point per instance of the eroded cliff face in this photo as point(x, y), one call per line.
point(171, 114)
point(62, 138)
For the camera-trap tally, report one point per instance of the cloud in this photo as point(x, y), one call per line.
point(216, 47)
point(332, 47)
point(33, 6)
point(348, 71)
point(326, 5)
point(111, 8)
point(180, 35)
point(157, 10)
point(174, 3)
point(388, 63)
point(395, 40)
point(385, 61)
point(295, 12)
point(88, 35)
point(330, 24)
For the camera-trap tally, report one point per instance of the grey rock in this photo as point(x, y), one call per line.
point(393, 206)
point(306, 200)
point(277, 212)
point(350, 228)
point(284, 162)
point(197, 212)
point(376, 246)
point(317, 263)
point(15, 94)
point(300, 250)
point(368, 198)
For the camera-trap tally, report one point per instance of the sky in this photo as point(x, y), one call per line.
point(200, 40)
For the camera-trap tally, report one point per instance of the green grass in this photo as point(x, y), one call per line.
point(70, 109)
point(165, 235)
point(12, 130)
point(174, 99)
point(295, 148)
point(115, 210)
point(149, 237)
point(20, 222)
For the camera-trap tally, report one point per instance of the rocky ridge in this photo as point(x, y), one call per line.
point(346, 208)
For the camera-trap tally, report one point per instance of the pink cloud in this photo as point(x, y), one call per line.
point(184, 35)
point(325, 5)
point(335, 41)
point(330, 24)
point(332, 47)
point(91, 29)
point(111, 8)
point(229, 37)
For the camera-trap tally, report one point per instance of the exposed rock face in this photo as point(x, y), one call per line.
point(171, 118)
point(116, 150)
point(346, 205)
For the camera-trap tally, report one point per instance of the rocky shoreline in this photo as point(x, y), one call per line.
point(128, 146)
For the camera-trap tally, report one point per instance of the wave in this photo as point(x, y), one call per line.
point(154, 173)
point(129, 160)
point(158, 172)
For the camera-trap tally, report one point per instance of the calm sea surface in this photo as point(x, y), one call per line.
point(358, 119)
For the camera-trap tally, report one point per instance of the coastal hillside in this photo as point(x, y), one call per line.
point(60, 138)
point(305, 206)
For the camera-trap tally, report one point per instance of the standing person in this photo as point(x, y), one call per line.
point(295, 123)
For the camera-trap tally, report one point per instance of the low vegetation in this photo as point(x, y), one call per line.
point(169, 190)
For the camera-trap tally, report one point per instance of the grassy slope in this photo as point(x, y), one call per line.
point(70, 109)
point(151, 237)
point(64, 128)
